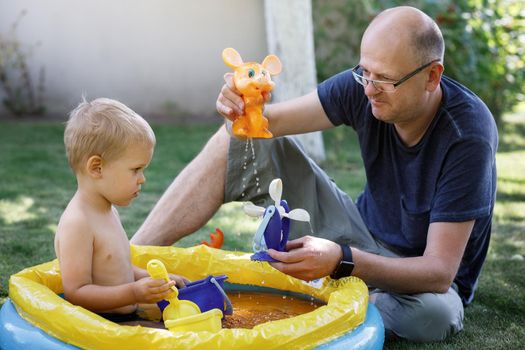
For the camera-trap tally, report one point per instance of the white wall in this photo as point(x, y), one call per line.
point(146, 53)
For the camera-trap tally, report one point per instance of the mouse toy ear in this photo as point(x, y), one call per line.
point(272, 64)
point(231, 58)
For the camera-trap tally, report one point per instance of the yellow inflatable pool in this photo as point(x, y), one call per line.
point(34, 292)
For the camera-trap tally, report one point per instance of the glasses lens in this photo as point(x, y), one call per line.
point(359, 79)
point(383, 86)
point(378, 85)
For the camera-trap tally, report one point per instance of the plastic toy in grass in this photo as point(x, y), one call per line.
point(252, 80)
point(216, 239)
point(183, 315)
point(275, 226)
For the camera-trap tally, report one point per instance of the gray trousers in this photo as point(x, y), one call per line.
point(334, 216)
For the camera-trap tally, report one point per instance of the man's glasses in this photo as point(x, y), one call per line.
point(387, 86)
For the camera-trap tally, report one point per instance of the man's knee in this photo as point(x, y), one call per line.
point(422, 317)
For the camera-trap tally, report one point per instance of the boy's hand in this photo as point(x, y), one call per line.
point(180, 281)
point(149, 290)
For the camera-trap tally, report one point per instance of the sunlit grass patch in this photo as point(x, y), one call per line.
point(14, 211)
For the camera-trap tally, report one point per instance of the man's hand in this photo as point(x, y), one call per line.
point(230, 103)
point(308, 258)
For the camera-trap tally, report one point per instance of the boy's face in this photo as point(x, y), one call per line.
point(122, 177)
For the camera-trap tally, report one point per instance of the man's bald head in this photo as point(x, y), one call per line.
point(404, 27)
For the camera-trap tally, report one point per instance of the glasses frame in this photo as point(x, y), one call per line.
point(358, 78)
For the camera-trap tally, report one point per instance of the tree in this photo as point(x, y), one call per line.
point(289, 31)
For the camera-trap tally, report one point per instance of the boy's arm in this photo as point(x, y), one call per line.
point(75, 252)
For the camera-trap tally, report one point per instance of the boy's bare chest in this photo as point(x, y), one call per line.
point(111, 255)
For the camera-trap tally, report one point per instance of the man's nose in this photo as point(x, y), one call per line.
point(371, 90)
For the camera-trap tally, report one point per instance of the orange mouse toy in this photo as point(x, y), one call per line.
point(252, 79)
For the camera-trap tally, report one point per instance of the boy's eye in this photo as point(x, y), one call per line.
point(251, 73)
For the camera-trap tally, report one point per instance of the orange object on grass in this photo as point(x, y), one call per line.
point(252, 80)
point(217, 239)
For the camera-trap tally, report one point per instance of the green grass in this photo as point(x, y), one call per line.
point(36, 184)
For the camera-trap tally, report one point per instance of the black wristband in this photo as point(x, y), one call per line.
point(346, 265)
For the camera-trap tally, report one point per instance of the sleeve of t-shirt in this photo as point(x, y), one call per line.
point(343, 100)
point(465, 189)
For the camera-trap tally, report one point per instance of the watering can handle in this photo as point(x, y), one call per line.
point(229, 307)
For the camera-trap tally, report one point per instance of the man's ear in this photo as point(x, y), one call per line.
point(94, 166)
point(434, 76)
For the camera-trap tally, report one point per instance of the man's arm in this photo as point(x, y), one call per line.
point(433, 272)
point(310, 257)
point(297, 116)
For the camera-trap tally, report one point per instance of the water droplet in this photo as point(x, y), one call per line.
point(242, 195)
point(244, 167)
point(258, 190)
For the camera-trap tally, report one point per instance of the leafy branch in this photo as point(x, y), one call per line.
point(21, 97)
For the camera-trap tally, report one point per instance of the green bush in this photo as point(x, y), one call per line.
point(19, 94)
point(484, 39)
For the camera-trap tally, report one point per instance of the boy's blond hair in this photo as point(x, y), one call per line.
point(103, 127)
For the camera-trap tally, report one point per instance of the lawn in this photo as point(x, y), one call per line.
point(36, 185)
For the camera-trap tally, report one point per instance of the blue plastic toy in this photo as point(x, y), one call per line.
point(208, 293)
point(274, 229)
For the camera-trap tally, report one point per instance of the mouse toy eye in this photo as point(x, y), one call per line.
point(251, 73)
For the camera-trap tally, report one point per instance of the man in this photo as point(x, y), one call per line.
point(419, 232)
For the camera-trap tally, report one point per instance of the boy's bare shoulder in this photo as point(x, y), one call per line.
point(74, 220)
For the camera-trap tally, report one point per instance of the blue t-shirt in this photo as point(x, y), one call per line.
point(449, 176)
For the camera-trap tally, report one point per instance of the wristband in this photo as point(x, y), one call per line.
point(346, 265)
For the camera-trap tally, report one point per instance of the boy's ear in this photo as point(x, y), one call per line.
point(94, 166)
